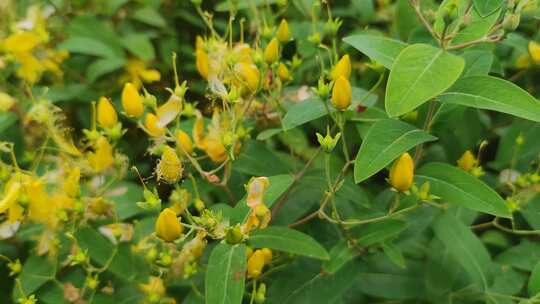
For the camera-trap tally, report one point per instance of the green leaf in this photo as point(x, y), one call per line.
point(288, 240)
point(465, 248)
point(378, 48)
point(386, 140)
point(255, 159)
point(88, 46)
point(534, 281)
point(104, 66)
point(420, 73)
point(478, 28)
point(149, 16)
point(378, 232)
point(7, 119)
point(394, 254)
point(477, 63)
point(139, 45)
point(491, 93)
point(36, 271)
point(487, 7)
point(225, 274)
point(340, 254)
point(458, 187)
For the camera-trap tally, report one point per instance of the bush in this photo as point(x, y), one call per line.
point(269, 151)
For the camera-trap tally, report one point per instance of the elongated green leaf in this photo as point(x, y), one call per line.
point(486, 7)
point(534, 281)
point(378, 48)
point(491, 93)
point(340, 254)
point(140, 45)
point(378, 232)
point(36, 271)
point(88, 46)
point(225, 275)
point(288, 240)
point(103, 66)
point(455, 186)
point(384, 142)
point(420, 73)
point(465, 248)
point(394, 254)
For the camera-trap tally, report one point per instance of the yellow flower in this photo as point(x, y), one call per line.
point(168, 226)
point(170, 167)
point(267, 255)
point(168, 111)
point(137, 73)
point(534, 50)
point(248, 74)
point(401, 173)
point(21, 42)
point(102, 157)
point(6, 102)
point(283, 34)
point(106, 114)
point(183, 140)
point(151, 125)
point(271, 53)
point(154, 287)
point(341, 93)
point(11, 194)
point(132, 101)
point(283, 72)
point(71, 183)
point(467, 161)
point(199, 42)
point(255, 264)
point(342, 68)
point(201, 61)
point(255, 191)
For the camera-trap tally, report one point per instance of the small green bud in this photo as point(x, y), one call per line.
point(328, 143)
point(234, 235)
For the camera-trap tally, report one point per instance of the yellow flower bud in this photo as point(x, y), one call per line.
point(467, 161)
point(202, 63)
point(132, 101)
point(11, 193)
point(215, 150)
point(267, 255)
point(283, 72)
point(151, 125)
point(283, 34)
point(255, 264)
point(183, 140)
point(168, 226)
point(342, 68)
point(106, 114)
point(249, 75)
point(341, 93)
point(199, 42)
point(271, 53)
point(170, 167)
point(102, 157)
point(534, 50)
point(401, 173)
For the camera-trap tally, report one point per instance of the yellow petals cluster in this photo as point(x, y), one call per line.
point(402, 172)
point(102, 157)
point(168, 226)
point(212, 142)
point(137, 73)
point(170, 167)
point(256, 262)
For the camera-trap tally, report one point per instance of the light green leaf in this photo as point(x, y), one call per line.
point(103, 66)
point(139, 45)
point(36, 271)
point(7, 119)
point(149, 16)
point(491, 93)
point(385, 141)
point(88, 46)
point(378, 48)
point(420, 73)
point(534, 281)
point(378, 232)
point(477, 63)
point(465, 248)
point(225, 274)
point(458, 187)
point(288, 240)
point(478, 28)
point(486, 7)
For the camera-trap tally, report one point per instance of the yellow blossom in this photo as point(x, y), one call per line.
point(283, 33)
point(534, 50)
point(342, 68)
point(255, 191)
point(132, 101)
point(467, 161)
point(283, 72)
point(102, 157)
point(11, 194)
point(151, 125)
point(401, 173)
point(202, 63)
point(183, 140)
point(255, 264)
point(267, 255)
point(106, 114)
point(170, 167)
point(71, 182)
point(248, 74)
point(341, 93)
point(137, 73)
point(21, 42)
point(168, 226)
point(168, 111)
point(154, 287)
point(271, 53)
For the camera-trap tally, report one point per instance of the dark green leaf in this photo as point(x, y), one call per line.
point(288, 240)
point(36, 271)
